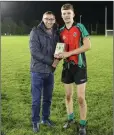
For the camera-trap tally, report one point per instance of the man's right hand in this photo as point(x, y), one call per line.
point(55, 63)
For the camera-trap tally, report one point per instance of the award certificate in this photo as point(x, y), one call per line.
point(60, 47)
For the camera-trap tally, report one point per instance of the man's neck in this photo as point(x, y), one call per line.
point(69, 25)
point(49, 31)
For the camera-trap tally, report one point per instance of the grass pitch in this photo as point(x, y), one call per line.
point(16, 96)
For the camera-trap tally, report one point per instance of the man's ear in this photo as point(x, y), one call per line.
point(55, 21)
point(74, 14)
point(61, 16)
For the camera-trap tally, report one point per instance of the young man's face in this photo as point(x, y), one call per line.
point(67, 15)
point(48, 20)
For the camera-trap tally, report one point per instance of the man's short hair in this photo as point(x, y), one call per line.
point(49, 13)
point(67, 7)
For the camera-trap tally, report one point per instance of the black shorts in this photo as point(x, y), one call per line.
point(74, 74)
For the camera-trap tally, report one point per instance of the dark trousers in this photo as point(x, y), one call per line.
point(41, 84)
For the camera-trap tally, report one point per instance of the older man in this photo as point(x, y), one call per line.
point(43, 40)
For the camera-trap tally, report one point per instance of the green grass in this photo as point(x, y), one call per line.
point(16, 96)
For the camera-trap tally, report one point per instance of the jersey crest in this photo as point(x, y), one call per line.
point(74, 34)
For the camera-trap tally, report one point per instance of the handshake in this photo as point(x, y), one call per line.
point(60, 47)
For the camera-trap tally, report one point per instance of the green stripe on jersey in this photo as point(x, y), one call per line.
point(83, 30)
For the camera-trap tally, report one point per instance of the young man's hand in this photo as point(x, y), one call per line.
point(63, 55)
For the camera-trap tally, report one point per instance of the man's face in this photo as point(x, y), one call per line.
point(67, 15)
point(48, 20)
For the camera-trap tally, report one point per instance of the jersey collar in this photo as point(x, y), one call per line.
point(74, 24)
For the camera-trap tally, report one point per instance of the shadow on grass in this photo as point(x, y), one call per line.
point(2, 133)
point(4, 96)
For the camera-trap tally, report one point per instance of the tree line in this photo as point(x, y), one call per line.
point(11, 27)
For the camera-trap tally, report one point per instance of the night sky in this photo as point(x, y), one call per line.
point(92, 11)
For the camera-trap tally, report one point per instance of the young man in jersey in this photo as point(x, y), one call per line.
point(75, 37)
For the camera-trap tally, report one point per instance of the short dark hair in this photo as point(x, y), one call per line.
point(49, 13)
point(67, 6)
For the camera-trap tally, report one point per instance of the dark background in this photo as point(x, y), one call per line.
point(30, 13)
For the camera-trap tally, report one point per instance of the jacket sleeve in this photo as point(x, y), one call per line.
point(36, 51)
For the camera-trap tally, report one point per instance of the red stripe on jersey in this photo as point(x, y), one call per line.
point(71, 38)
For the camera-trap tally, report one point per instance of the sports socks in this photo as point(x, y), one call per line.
point(71, 116)
point(83, 122)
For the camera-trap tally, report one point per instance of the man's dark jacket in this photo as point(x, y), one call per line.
point(42, 48)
